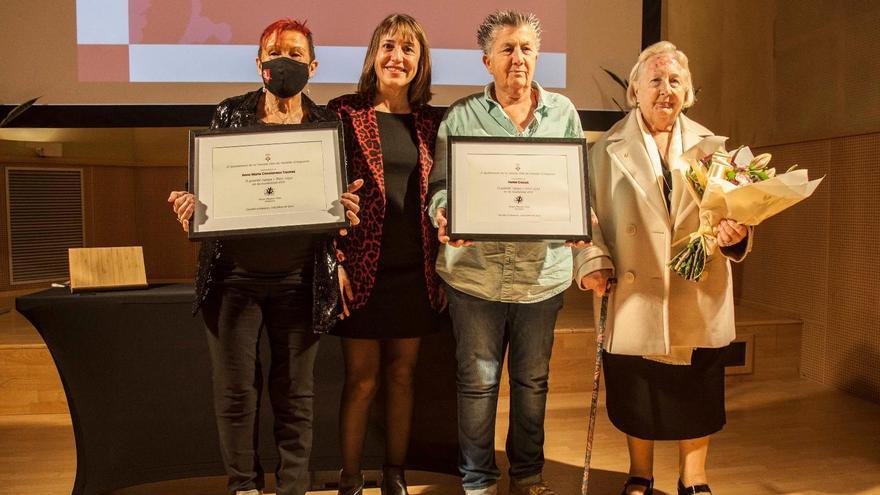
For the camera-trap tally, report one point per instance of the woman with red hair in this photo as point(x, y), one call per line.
point(287, 283)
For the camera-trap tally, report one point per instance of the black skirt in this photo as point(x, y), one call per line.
point(398, 308)
point(656, 401)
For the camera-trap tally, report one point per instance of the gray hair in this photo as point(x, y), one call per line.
point(502, 18)
point(660, 48)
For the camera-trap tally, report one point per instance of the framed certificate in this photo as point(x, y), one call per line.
point(255, 181)
point(518, 189)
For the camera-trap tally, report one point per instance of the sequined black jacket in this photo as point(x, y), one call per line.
point(241, 111)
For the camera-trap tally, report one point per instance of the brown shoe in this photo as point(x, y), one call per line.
point(539, 487)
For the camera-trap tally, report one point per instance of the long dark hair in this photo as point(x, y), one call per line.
point(419, 92)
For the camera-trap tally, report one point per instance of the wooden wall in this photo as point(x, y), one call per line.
point(799, 79)
point(124, 195)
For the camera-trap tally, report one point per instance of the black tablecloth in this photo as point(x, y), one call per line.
point(136, 372)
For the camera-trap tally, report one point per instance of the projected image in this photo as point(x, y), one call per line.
point(171, 41)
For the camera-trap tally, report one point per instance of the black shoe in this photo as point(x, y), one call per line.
point(638, 480)
point(351, 485)
point(691, 490)
point(393, 482)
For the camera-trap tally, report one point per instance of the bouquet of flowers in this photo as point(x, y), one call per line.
point(735, 185)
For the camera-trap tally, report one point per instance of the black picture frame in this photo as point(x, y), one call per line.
point(334, 128)
point(498, 141)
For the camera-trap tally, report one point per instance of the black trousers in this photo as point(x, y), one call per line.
point(234, 316)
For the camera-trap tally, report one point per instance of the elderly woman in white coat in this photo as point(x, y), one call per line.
point(665, 335)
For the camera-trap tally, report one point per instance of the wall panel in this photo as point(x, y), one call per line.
point(799, 79)
point(124, 205)
point(819, 261)
point(853, 340)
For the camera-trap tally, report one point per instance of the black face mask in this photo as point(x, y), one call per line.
point(285, 77)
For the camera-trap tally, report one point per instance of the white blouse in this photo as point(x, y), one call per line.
point(675, 150)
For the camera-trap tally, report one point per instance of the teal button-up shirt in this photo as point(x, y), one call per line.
point(518, 272)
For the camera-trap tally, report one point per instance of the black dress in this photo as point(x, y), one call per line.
point(398, 306)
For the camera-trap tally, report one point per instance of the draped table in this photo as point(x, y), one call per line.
point(136, 372)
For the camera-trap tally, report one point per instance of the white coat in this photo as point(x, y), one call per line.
point(652, 309)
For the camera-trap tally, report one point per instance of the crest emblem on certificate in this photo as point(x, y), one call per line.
point(269, 191)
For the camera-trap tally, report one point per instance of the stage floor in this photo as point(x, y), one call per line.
point(784, 436)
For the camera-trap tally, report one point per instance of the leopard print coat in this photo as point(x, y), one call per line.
point(364, 151)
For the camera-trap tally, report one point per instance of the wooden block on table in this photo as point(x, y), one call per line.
point(107, 268)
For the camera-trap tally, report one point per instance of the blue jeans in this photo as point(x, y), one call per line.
point(483, 330)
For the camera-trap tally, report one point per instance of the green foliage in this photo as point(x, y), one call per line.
point(18, 110)
point(621, 82)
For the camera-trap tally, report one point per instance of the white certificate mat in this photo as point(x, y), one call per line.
point(517, 188)
point(255, 181)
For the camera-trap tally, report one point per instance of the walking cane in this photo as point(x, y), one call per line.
point(597, 372)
